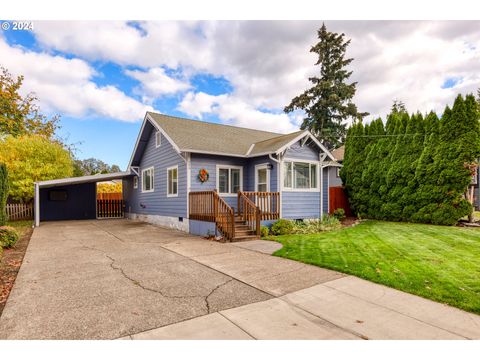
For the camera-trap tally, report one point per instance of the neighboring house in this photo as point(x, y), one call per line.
point(335, 166)
point(206, 178)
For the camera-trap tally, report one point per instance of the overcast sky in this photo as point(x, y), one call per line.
point(101, 77)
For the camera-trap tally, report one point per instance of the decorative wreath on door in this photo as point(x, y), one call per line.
point(203, 175)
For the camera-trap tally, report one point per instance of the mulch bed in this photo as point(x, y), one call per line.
point(10, 265)
point(350, 221)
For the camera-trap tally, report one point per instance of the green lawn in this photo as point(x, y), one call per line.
point(437, 262)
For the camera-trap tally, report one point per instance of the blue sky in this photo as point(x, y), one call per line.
point(101, 77)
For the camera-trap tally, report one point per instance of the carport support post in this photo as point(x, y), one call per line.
point(36, 200)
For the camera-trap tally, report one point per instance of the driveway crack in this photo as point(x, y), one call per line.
point(207, 304)
point(138, 283)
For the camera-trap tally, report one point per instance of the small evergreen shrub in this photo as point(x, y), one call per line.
point(313, 226)
point(339, 213)
point(282, 227)
point(264, 231)
point(8, 236)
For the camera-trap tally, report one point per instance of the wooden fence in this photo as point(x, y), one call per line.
point(107, 209)
point(338, 199)
point(19, 212)
point(110, 196)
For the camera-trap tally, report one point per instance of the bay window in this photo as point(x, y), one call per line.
point(300, 175)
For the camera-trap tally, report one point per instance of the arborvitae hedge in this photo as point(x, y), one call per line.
point(413, 168)
point(3, 193)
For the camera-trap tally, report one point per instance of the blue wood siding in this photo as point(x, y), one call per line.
point(300, 205)
point(325, 187)
point(157, 202)
point(306, 152)
point(333, 180)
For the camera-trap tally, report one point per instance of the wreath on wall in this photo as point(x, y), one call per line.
point(203, 175)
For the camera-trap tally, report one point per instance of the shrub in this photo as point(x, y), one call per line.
point(3, 193)
point(339, 213)
point(264, 231)
point(8, 236)
point(282, 227)
point(313, 226)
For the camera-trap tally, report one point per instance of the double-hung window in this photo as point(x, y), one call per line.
point(172, 178)
point(147, 180)
point(300, 175)
point(229, 179)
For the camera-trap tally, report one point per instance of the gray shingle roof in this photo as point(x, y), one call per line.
point(204, 137)
point(339, 153)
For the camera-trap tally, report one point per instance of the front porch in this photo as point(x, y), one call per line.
point(235, 223)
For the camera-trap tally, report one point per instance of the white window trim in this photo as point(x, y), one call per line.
point(292, 189)
point(158, 139)
point(229, 167)
point(258, 167)
point(153, 179)
point(135, 182)
point(178, 178)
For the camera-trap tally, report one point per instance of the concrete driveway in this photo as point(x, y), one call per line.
point(122, 279)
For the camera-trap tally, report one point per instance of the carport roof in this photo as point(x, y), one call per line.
point(84, 179)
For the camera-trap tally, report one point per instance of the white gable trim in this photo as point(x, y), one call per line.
point(158, 128)
point(303, 135)
point(164, 133)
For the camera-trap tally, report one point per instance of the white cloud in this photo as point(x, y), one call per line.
point(232, 110)
point(63, 85)
point(268, 62)
point(155, 82)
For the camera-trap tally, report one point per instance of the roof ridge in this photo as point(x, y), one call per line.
point(282, 135)
point(217, 124)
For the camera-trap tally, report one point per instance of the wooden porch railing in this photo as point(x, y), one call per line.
point(249, 212)
point(268, 202)
point(209, 206)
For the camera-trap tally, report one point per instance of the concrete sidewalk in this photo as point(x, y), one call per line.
point(124, 279)
point(346, 308)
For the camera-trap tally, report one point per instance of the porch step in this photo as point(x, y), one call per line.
point(244, 232)
point(246, 237)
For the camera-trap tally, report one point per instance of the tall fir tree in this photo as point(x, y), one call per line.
point(328, 103)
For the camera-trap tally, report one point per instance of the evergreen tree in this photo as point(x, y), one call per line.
point(371, 178)
point(328, 103)
point(425, 176)
point(3, 193)
point(398, 107)
point(351, 172)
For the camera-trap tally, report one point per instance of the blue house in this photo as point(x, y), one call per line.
point(207, 178)
point(185, 168)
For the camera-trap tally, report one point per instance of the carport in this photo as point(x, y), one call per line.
point(70, 198)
